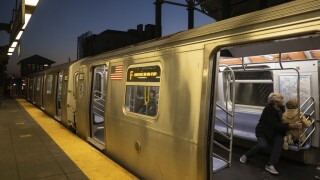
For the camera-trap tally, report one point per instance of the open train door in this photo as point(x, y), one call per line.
point(97, 106)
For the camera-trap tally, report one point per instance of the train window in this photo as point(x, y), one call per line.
point(142, 99)
point(38, 83)
point(49, 84)
point(142, 90)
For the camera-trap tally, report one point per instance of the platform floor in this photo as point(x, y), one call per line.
point(34, 146)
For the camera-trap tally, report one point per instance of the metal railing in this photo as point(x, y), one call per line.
point(310, 112)
point(229, 125)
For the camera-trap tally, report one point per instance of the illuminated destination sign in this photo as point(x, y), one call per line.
point(144, 74)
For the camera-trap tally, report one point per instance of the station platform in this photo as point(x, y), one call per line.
point(34, 146)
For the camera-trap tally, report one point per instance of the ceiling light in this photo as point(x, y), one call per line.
point(26, 20)
point(19, 35)
point(31, 2)
point(11, 50)
point(14, 44)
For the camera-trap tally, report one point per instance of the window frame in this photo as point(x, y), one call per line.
point(143, 84)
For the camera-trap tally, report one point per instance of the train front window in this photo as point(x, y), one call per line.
point(142, 90)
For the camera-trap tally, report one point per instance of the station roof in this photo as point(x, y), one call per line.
point(36, 59)
point(223, 9)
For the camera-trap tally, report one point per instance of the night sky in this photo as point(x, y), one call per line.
point(55, 25)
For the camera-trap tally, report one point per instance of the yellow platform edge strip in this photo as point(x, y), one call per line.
point(93, 163)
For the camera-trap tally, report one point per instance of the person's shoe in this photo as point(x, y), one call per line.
point(271, 169)
point(243, 159)
point(318, 168)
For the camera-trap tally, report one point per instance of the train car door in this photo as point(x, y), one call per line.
point(97, 108)
point(73, 103)
point(58, 96)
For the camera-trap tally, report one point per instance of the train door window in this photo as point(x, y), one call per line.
point(98, 99)
point(49, 84)
point(58, 94)
point(98, 84)
point(38, 83)
point(30, 93)
point(142, 90)
point(76, 84)
point(42, 90)
point(33, 89)
point(31, 84)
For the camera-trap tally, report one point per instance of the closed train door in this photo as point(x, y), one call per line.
point(97, 108)
point(58, 96)
point(73, 102)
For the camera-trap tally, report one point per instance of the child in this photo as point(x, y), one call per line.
point(291, 115)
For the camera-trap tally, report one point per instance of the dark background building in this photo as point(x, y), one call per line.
point(91, 44)
point(34, 64)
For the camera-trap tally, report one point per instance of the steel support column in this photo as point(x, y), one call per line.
point(190, 14)
point(158, 4)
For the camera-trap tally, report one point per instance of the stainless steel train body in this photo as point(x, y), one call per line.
point(152, 106)
point(53, 91)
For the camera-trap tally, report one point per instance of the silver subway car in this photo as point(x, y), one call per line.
point(53, 90)
point(154, 107)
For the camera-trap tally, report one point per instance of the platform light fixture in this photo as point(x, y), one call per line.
point(31, 2)
point(27, 18)
point(14, 44)
point(20, 20)
point(11, 50)
point(19, 35)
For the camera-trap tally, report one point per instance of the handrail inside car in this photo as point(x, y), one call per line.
point(310, 107)
point(229, 133)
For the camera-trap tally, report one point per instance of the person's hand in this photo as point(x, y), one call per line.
point(296, 125)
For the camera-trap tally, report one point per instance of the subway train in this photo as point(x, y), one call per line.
point(157, 107)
